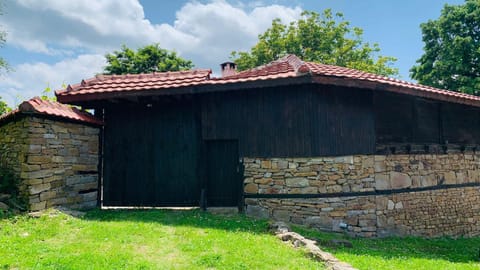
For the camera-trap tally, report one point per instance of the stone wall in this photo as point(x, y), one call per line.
point(13, 143)
point(375, 195)
point(55, 160)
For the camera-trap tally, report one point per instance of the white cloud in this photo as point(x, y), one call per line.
point(31, 79)
point(205, 33)
point(199, 30)
point(220, 27)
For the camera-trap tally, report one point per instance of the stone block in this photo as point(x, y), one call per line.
point(46, 195)
point(296, 182)
point(282, 164)
point(380, 166)
point(367, 162)
point(38, 206)
point(308, 190)
point(399, 205)
point(450, 178)
point(251, 188)
point(334, 188)
point(58, 129)
point(49, 136)
point(36, 174)
point(257, 212)
point(80, 179)
point(367, 222)
point(264, 181)
point(428, 180)
point(85, 186)
point(38, 159)
point(382, 181)
point(35, 189)
point(249, 201)
point(390, 205)
point(34, 149)
point(400, 180)
point(381, 203)
point(266, 164)
point(90, 196)
point(28, 167)
point(460, 177)
point(320, 222)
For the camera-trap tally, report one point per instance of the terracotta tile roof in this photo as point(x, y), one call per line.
point(289, 69)
point(351, 77)
point(137, 82)
point(44, 107)
point(285, 67)
point(294, 67)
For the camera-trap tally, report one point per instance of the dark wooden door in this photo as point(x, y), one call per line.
point(150, 156)
point(224, 182)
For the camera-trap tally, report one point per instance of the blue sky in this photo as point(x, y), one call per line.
point(55, 42)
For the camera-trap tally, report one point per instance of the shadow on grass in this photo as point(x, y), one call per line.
point(460, 250)
point(189, 218)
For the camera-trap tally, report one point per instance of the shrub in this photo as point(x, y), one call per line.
point(9, 183)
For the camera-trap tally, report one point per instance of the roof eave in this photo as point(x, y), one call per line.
point(372, 85)
point(84, 99)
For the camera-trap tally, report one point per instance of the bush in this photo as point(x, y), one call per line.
point(9, 185)
point(8, 182)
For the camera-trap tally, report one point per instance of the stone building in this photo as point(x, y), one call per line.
point(326, 146)
point(53, 149)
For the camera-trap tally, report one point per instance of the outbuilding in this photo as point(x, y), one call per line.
point(326, 146)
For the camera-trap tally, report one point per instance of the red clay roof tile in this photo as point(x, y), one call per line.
point(44, 107)
point(289, 66)
point(135, 82)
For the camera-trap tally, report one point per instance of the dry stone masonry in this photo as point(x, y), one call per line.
point(56, 161)
point(369, 195)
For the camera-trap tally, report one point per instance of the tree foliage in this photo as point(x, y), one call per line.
point(145, 60)
point(4, 66)
point(325, 38)
point(3, 107)
point(451, 58)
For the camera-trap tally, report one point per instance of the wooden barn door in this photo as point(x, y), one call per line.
point(224, 174)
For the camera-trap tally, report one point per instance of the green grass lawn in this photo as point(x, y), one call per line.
point(161, 239)
point(403, 253)
point(151, 239)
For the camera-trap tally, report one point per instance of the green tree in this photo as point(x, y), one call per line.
point(3, 107)
point(4, 66)
point(145, 60)
point(325, 38)
point(451, 58)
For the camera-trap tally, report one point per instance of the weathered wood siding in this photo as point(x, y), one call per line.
point(151, 155)
point(408, 119)
point(297, 121)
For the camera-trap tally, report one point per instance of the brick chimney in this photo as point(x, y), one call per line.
point(228, 69)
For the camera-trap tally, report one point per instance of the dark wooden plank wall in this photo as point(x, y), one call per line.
point(151, 155)
point(408, 119)
point(461, 124)
point(294, 121)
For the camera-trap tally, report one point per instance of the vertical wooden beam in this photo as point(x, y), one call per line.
point(99, 113)
point(441, 135)
point(201, 151)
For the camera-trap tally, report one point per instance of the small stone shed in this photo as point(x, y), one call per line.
point(53, 149)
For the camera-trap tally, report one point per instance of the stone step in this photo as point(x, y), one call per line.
point(223, 210)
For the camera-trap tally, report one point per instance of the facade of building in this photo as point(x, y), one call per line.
point(52, 149)
point(330, 147)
